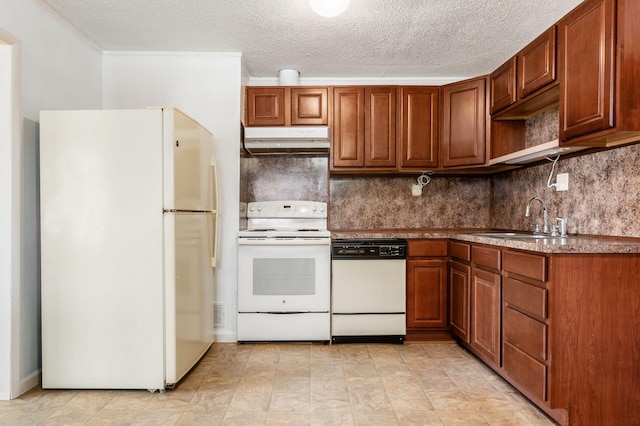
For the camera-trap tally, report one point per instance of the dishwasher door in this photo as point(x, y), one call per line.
point(368, 298)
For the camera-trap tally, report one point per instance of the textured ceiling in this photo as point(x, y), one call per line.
point(372, 39)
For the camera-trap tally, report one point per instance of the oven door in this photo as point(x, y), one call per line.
point(284, 275)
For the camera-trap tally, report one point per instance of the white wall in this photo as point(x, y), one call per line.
point(55, 68)
point(207, 87)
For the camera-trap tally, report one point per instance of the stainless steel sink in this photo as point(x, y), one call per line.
point(514, 235)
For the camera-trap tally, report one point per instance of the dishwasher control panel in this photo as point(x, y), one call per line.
point(369, 249)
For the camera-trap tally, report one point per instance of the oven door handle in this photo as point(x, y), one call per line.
point(280, 241)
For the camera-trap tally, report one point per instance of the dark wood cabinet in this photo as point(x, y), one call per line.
point(486, 309)
point(459, 295)
point(418, 127)
point(463, 140)
point(537, 64)
point(364, 128)
point(309, 106)
point(427, 289)
point(265, 106)
point(599, 64)
point(503, 86)
point(287, 106)
point(380, 127)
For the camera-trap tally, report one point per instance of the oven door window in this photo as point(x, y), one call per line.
point(283, 278)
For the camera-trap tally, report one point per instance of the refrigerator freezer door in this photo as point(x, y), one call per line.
point(189, 280)
point(102, 255)
point(189, 166)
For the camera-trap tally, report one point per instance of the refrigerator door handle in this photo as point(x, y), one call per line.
point(214, 184)
point(213, 239)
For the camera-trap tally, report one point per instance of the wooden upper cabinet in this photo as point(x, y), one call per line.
point(503, 86)
point(418, 127)
point(287, 106)
point(265, 106)
point(348, 127)
point(464, 128)
point(309, 106)
point(536, 63)
point(380, 127)
point(587, 64)
point(364, 128)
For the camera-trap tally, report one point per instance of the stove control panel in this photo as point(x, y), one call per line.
point(287, 209)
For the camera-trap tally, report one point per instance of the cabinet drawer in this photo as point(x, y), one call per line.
point(525, 333)
point(528, 372)
point(525, 264)
point(486, 256)
point(427, 248)
point(460, 251)
point(526, 297)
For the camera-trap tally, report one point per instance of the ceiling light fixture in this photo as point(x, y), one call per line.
point(329, 8)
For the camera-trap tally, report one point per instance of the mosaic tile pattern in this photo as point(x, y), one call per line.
point(301, 384)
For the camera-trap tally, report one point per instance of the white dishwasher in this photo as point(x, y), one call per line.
point(368, 290)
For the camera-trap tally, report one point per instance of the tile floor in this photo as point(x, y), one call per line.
point(300, 384)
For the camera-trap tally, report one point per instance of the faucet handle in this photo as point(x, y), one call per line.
point(562, 226)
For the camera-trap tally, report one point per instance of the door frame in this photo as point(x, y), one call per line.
point(10, 153)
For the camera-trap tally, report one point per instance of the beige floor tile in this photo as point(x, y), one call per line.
point(333, 402)
point(385, 418)
point(295, 401)
point(112, 418)
point(279, 418)
point(328, 384)
point(331, 418)
point(200, 419)
point(244, 418)
point(250, 401)
point(298, 384)
point(129, 401)
point(418, 418)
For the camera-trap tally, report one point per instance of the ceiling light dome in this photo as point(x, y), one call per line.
point(329, 8)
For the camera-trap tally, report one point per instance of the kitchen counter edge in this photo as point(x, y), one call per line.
point(573, 244)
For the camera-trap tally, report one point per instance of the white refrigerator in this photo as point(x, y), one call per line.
point(129, 209)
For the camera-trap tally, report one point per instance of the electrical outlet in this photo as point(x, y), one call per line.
point(416, 190)
point(562, 182)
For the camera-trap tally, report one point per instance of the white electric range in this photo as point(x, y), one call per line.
point(284, 280)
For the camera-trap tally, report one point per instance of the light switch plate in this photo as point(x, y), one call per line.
point(562, 182)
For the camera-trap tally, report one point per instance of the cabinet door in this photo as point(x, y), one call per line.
point(418, 129)
point(586, 49)
point(485, 315)
point(309, 106)
point(537, 63)
point(380, 127)
point(427, 293)
point(459, 295)
point(463, 141)
point(503, 86)
point(265, 106)
point(348, 127)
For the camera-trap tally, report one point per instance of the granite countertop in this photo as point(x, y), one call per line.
point(584, 244)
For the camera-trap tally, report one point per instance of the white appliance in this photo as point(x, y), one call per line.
point(129, 236)
point(368, 290)
point(284, 283)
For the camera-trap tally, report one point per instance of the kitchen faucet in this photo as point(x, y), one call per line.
point(527, 213)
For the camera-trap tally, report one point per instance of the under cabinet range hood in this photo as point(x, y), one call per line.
point(287, 140)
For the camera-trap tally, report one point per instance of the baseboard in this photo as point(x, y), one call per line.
point(30, 381)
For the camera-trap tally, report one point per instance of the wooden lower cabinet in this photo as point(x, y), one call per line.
point(427, 290)
point(459, 294)
point(485, 315)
